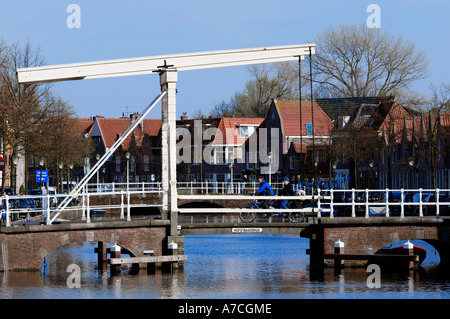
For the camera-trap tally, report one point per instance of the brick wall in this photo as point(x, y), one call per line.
point(24, 250)
point(367, 240)
point(367, 236)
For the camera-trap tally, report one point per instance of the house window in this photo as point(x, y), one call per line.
point(246, 131)
point(253, 160)
point(230, 154)
point(117, 164)
point(146, 163)
point(292, 162)
point(132, 161)
point(219, 155)
point(309, 129)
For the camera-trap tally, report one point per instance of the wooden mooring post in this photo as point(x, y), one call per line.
point(102, 255)
point(115, 253)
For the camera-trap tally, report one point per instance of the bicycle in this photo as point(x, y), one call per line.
point(294, 217)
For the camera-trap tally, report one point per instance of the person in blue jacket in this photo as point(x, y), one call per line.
point(264, 190)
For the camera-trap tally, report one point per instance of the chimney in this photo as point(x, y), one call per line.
point(184, 117)
point(134, 116)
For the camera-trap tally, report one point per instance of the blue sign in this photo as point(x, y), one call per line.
point(41, 176)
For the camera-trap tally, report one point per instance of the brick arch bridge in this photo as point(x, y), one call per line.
point(24, 247)
point(366, 236)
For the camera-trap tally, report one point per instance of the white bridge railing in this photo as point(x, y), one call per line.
point(384, 202)
point(209, 187)
point(25, 208)
point(323, 203)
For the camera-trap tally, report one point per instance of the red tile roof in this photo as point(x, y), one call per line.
point(111, 127)
point(230, 126)
point(84, 124)
point(289, 112)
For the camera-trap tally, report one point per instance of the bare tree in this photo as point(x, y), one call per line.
point(277, 80)
point(34, 121)
point(358, 61)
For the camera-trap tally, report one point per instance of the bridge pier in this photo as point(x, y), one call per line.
point(363, 237)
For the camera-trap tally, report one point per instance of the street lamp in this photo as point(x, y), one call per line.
point(371, 164)
point(127, 156)
point(69, 177)
point(334, 166)
point(61, 165)
point(41, 165)
point(15, 162)
point(411, 164)
point(230, 166)
point(97, 157)
point(316, 163)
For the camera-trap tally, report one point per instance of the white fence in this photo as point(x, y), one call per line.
point(186, 187)
point(323, 203)
point(383, 202)
point(24, 208)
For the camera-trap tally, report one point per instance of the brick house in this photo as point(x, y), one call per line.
point(143, 144)
point(300, 142)
point(216, 148)
point(416, 152)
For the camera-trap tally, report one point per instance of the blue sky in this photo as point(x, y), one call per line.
point(125, 29)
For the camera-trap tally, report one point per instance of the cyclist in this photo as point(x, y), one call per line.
point(264, 190)
point(288, 190)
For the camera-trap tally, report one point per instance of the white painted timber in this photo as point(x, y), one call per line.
point(147, 65)
point(245, 197)
point(147, 259)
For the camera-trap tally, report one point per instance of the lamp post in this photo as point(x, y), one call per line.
point(41, 165)
point(411, 165)
point(230, 166)
point(334, 166)
point(371, 163)
point(316, 163)
point(69, 177)
point(269, 155)
point(60, 165)
point(97, 157)
point(127, 156)
point(15, 159)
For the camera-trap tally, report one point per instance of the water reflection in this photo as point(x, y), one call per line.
point(227, 266)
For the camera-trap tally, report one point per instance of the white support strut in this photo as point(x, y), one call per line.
point(102, 160)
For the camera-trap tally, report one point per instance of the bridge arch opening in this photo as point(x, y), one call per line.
point(61, 261)
point(432, 257)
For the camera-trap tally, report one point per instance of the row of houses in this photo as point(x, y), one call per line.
point(307, 141)
point(369, 142)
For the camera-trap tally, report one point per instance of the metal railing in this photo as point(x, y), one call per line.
point(188, 187)
point(322, 203)
point(386, 202)
point(32, 208)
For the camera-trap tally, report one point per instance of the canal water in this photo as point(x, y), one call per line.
point(244, 266)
